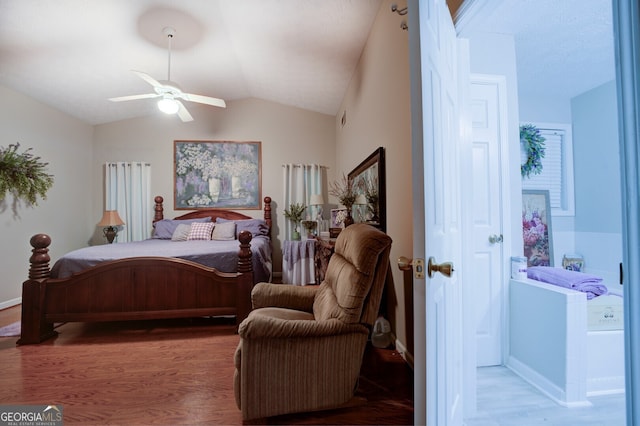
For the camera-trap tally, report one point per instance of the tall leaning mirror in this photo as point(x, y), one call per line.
point(369, 182)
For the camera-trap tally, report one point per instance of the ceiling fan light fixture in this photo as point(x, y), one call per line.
point(168, 105)
point(168, 93)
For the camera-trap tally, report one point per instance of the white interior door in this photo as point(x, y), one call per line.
point(437, 217)
point(488, 101)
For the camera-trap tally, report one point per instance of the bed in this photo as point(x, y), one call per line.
point(137, 285)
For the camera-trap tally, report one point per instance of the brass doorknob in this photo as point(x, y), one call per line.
point(445, 268)
point(404, 263)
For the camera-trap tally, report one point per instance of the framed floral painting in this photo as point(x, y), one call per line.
point(337, 218)
point(217, 174)
point(536, 228)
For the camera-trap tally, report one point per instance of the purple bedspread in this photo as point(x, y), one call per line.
point(222, 255)
point(586, 283)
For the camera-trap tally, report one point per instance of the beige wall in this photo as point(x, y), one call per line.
point(377, 105)
point(65, 143)
point(288, 135)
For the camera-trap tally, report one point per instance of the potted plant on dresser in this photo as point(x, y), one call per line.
point(295, 214)
point(344, 190)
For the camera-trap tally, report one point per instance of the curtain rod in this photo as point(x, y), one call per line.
point(114, 164)
point(303, 165)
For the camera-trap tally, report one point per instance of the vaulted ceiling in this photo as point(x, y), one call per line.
point(75, 54)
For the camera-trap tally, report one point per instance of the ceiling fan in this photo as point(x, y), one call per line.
point(169, 92)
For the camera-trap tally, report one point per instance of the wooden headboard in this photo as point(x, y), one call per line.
point(213, 213)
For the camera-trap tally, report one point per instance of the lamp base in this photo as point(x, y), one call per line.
point(349, 219)
point(110, 233)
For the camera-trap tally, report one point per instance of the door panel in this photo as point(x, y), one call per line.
point(487, 256)
point(436, 190)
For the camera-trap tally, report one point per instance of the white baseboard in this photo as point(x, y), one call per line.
point(10, 303)
point(544, 385)
point(605, 386)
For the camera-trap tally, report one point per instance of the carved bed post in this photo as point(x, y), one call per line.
point(158, 209)
point(34, 328)
point(245, 280)
point(267, 212)
point(244, 255)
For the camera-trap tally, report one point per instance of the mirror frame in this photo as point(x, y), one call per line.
point(375, 159)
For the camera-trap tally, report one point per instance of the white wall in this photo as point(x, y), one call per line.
point(288, 135)
point(545, 108)
point(378, 113)
point(598, 220)
point(595, 230)
point(65, 143)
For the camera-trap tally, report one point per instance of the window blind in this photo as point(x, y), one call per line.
point(553, 177)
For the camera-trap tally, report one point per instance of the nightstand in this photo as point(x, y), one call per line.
point(298, 266)
point(323, 252)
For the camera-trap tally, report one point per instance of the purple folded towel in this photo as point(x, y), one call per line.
point(574, 280)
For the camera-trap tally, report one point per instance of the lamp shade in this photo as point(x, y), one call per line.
point(316, 200)
point(110, 218)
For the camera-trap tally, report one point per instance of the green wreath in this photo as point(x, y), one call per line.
point(533, 144)
point(23, 175)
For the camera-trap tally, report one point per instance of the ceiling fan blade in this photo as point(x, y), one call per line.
point(134, 97)
point(183, 113)
point(203, 100)
point(146, 77)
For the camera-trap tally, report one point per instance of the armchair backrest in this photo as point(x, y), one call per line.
point(355, 277)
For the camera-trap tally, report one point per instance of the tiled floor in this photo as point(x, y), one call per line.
point(504, 399)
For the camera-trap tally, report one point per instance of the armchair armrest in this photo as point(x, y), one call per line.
point(260, 326)
point(299, 298)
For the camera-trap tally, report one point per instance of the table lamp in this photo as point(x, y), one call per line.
point(361, 200)
point(110, 220)
point(318, 201)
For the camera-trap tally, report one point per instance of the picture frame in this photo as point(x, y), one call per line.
point(368, 179)
point(217, 174)
point(337, 218)
point(536, 228)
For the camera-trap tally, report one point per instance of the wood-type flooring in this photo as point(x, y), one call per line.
point(171, 372)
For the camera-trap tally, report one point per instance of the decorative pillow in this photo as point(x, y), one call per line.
point(164, 229)
point(200, 231)
point(181, 233)
point(224, 231)
point(255, 226)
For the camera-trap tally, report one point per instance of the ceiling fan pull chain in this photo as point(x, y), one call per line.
point(169, 32)
point(169, 64)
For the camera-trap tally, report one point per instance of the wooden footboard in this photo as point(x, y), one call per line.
point(131, 289)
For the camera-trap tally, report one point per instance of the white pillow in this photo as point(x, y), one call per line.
point(224, 231)
point(181, 233)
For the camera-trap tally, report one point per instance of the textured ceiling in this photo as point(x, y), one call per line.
point(563, 48)
point(75, 54)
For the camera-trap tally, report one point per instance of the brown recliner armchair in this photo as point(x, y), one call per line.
point(301, 348)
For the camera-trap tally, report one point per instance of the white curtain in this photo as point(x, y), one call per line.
point(128, 190)
point(301, 181)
